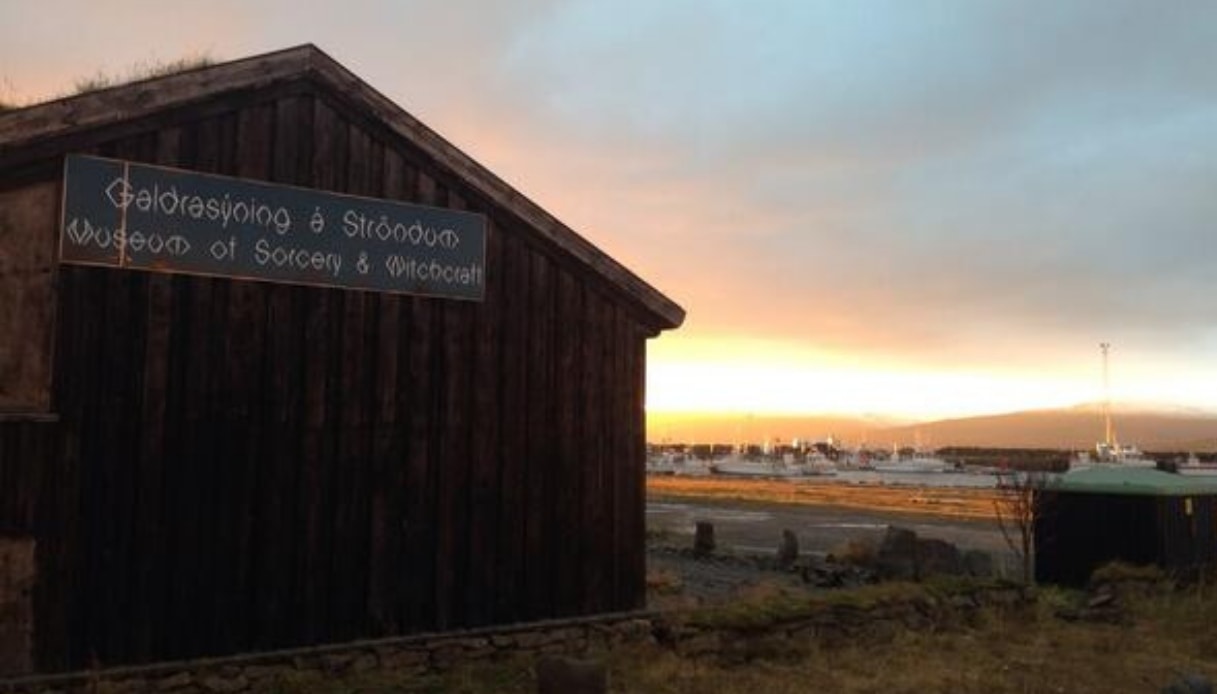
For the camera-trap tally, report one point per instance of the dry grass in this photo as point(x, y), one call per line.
point(1029, 651)
point(937, 501)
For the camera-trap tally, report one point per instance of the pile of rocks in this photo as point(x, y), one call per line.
point(708, 574)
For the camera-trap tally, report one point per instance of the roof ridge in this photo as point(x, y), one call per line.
point(23, 128)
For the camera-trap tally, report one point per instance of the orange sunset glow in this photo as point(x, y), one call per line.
point(895, 212)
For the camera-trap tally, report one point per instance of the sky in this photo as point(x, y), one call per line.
point(911, 208)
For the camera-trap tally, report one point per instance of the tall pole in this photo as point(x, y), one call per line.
point(1108, 438)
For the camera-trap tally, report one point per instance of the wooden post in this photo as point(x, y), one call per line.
point(703, 539)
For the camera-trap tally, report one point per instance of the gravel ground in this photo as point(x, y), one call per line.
point(679, 579)
point(747, 534)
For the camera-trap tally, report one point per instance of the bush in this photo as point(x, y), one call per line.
point(859, 553)
point(1117, 572)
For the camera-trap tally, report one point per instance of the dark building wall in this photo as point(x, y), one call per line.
point(241, 465)
point(1189, 540)
point(1077, 533)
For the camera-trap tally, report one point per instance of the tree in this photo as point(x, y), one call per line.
point(1019, 502)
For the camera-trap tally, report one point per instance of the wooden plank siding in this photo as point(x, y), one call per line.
point(243, 465)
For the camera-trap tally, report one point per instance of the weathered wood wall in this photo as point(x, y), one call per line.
point(1077, 533)
point(241, 465)
point(27, 320)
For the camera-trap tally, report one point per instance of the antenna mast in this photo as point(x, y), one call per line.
point(1108, 438)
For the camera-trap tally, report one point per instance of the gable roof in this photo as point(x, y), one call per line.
point(24, 129)
point(1114, 479)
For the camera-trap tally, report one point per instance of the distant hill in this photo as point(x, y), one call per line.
point(1075, 428)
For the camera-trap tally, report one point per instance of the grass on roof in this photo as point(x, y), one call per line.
point(141, 71)
point(146, 69)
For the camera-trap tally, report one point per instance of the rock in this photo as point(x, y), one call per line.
point(897, 555)
point(937, 557)
point(788, 550)
point(703, 540)
point(562, 675)
point(635, 630)
point(1190, 683)
point(904, 556)
point(406, 660)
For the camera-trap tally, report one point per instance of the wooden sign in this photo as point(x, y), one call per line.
point(132, 216)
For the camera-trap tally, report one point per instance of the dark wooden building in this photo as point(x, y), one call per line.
point(1137, 516)
point(210, 464)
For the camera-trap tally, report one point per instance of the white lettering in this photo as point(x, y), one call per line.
point(294, 258)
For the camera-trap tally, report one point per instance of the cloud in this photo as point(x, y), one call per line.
point(944, 174)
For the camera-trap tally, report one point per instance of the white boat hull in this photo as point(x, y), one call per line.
point(911, 465)
point(768, 469)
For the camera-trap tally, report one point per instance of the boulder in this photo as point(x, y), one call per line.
point(938, 557)
point(897, 555)
point(904, 556)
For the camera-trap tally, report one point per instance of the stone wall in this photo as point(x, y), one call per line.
point(733, 634)
point(406, 656)
point(872, 614)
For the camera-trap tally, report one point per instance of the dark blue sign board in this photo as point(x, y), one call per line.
point(132, 216)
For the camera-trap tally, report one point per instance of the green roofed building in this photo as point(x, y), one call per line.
point(1136, 515)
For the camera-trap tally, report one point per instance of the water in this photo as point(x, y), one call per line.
point(978, 480)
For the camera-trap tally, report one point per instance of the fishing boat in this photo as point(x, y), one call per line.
point(917, 462)
point(669, 463)
point(1192, 466)
point(786, 466)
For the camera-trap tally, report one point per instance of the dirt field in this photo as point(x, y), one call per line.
point(750, 515)
point(946, 502)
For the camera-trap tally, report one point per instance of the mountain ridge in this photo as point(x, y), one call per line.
point(1075, 427)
